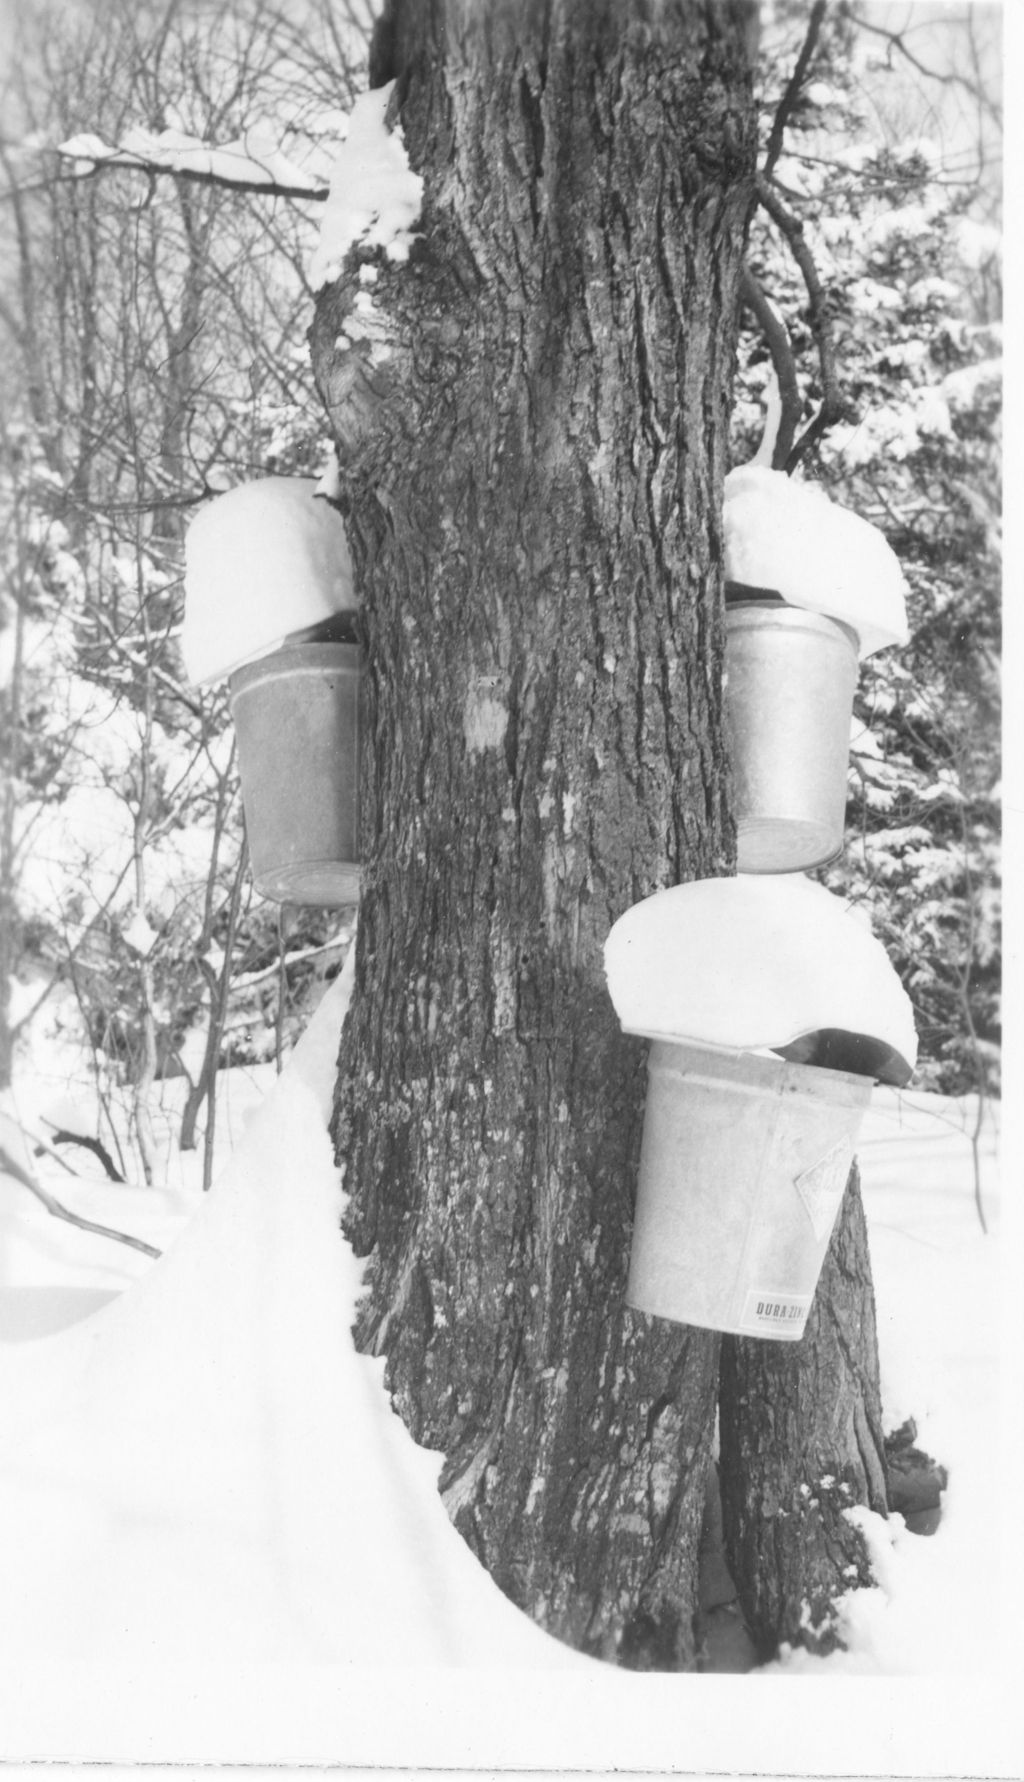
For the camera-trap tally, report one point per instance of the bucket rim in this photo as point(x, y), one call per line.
point(773, 1065)
point(766, 614)
point(750, 593)
point(801, 865)
point(306, 658)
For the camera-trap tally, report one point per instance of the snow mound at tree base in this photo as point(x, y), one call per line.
point(218, 1543)
point(206, 1467)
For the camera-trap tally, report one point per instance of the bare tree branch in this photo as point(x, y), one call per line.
point(975, 87)
point(832, 403)
point(314, 194)
point(11, 1167)
point(793, 88)
point(777, 338)
point(218, 1013)
point(96, 1146)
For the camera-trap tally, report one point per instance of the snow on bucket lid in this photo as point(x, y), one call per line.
point(754, 962)
point(265, 560)
point(791, 537)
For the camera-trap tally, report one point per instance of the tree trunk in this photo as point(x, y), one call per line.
point(801, 1443)
point(532, 465)
point(531, 443)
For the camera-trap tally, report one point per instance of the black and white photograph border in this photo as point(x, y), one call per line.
point(510, 1258)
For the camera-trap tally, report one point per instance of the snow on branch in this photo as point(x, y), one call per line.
point(372, 194)
point(253, 162)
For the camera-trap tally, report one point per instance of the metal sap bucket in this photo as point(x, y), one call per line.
point(742, 1171)
point(789, 685)
point(298, 719)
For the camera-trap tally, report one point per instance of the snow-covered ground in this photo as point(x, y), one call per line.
point(217, 1542)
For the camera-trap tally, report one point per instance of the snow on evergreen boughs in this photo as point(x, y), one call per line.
point(913, 284)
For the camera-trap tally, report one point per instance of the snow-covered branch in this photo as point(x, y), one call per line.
point(255, 162)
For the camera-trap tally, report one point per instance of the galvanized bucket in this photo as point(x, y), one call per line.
point(297, 716)
point(789, 685)
point(742, 1171)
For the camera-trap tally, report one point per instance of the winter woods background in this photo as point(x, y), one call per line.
point(154, 317)
point(154, 354)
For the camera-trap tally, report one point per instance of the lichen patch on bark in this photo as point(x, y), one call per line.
point(484, 715)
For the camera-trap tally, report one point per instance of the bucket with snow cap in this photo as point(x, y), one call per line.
point(771, 1010)
point(270, 606)
point(790, 676)
point(742, 1170)
point(298, 718)
point(811, 589)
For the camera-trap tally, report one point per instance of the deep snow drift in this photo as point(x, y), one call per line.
point(207, 1465)
point(203, 1473)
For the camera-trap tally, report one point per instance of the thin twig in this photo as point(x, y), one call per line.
point(138, 164)
point(964, 977)
point(250, 979)
point(217, 1019)
point(951, 78)
point(10, 1166)
point(832, 405)
point(41, 1147)
point(96, 1146)
point(793, 88)
point(282, 985)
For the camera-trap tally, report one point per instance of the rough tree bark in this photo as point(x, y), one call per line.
point(801, 1443)
point(533, 482)
point(531, 450)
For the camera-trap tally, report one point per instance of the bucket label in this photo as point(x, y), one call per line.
point(775, 1314)
point(821, 1187)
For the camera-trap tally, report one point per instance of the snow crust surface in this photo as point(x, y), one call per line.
point(217, 1542)
point(261, 562)
point(934, 1608)
point(752, 961)
point(207, 1467)
point(790, 537)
